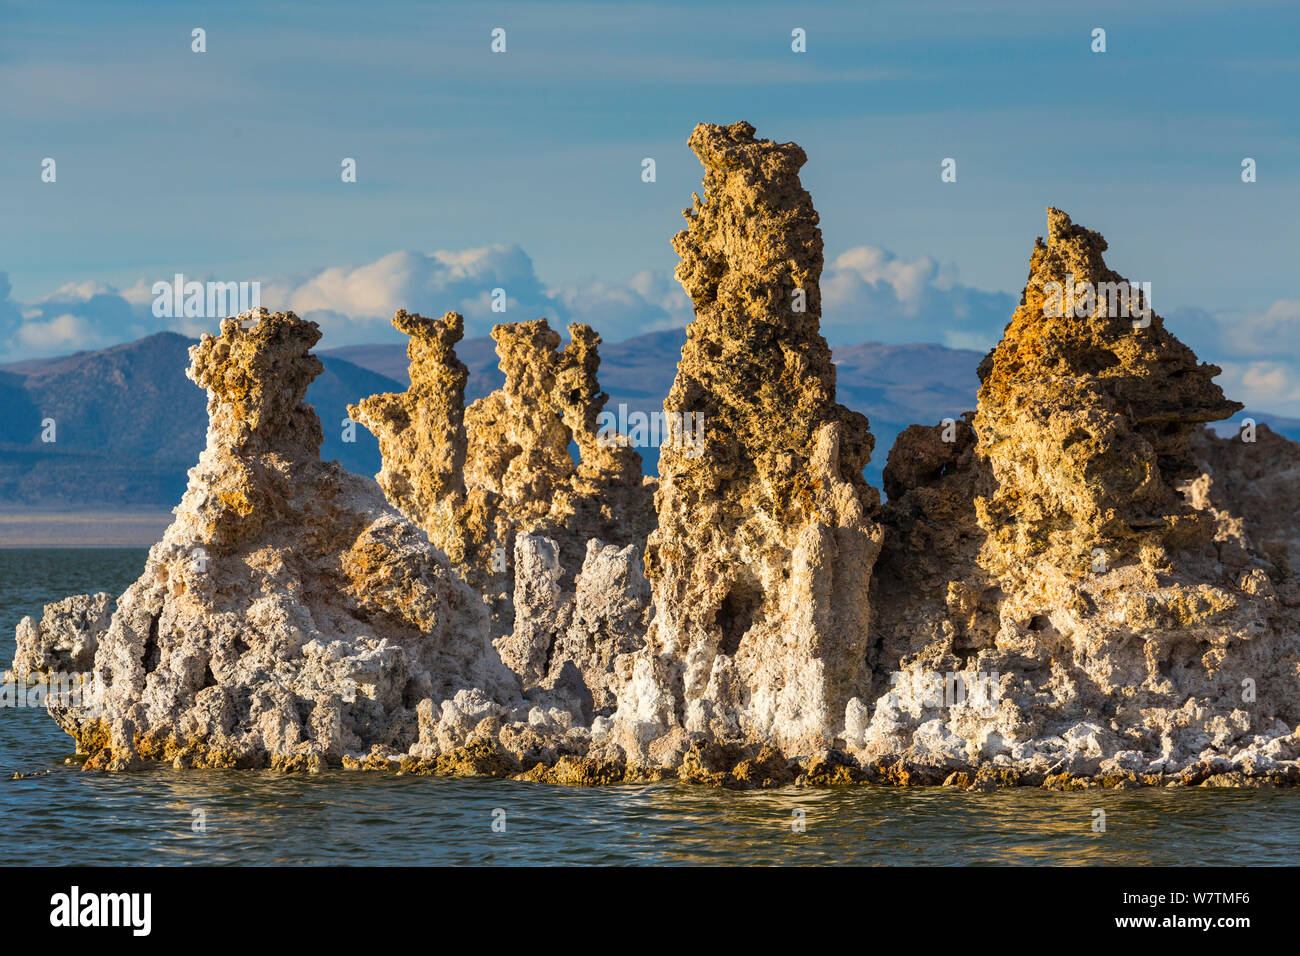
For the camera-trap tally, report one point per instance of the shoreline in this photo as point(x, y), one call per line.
point(831, 770)
point(82, 530)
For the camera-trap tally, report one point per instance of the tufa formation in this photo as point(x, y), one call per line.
point(761, 562)
point(289, 615)
point(475, 478)
point(1074, 584)
point(1057, 558)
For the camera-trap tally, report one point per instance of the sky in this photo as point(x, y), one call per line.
point(522, 169)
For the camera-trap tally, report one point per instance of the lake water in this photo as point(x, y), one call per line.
point(163, 816)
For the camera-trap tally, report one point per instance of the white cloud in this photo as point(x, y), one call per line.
point(1259, 352)
point(872, 264)
point(73, 292)
point(1263, 386)
point(352, 304)
point(868, 293)
point(648, 302)
point(363, 299)
point(76, 316)
point(139, 294)
point(1273, 331)
point(66, 331)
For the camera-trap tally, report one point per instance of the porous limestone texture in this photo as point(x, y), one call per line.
point(1058, 593)
point(572, 643)
point(497, 488)
point(65, 639)
point(289, 615)
point(421, 435)
point(474, 478)
point(761, 561)
point(1250, 480)
point(519, 438)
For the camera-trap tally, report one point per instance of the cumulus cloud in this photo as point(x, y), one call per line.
point(352, 304)
point(868, 293)
point(1275, 330)
point(1268, 333)
point(648, 302)
point(1263, 386)
point(1259, 352)
point(76, 316)
point(63, 332)
point(348, 300)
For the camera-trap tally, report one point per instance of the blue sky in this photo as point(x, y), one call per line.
point(523, 169)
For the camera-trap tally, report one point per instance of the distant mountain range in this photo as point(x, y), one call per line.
point(129, 424)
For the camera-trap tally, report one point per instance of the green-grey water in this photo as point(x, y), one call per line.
point(162, 816)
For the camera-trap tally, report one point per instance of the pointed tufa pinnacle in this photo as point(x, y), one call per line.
point(1091, 393)
point(421, 431)
point(755, 364)
point(761, 562)
point(475, 477)
point(281, 581)
point(1053, 550)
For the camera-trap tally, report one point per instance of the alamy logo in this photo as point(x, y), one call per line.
point(77, 691)
point(980, 692)
point(73, 909)
point(682, 430)
point(179, 299)
point(1081, 299)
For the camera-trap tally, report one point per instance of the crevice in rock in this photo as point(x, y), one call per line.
point(151, 654)
point(736, 614)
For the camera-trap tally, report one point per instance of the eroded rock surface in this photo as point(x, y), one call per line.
point(1052, 558)
point(65, 639)
point(574, 645)
point(1086, 420)
point(762, 557)
point(289, 615)
point(519, 454)
point(1076, 584)
point(1250, 481)
point(421, 435)
point(475, 478)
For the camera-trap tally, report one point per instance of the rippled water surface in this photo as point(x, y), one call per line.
point(67, 816)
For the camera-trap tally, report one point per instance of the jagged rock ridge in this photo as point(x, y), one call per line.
point(496, 487)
